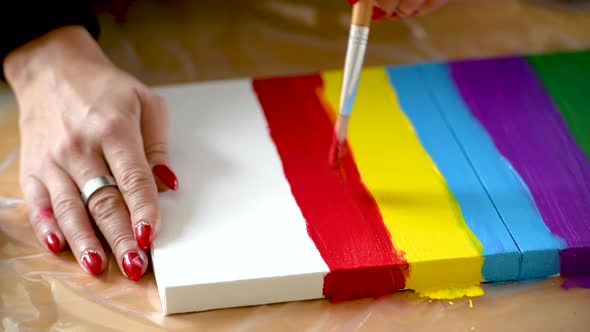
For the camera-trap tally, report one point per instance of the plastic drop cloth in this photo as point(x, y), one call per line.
point(165, 43)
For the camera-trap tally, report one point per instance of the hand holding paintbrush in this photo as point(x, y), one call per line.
point(402, 8)
point(362, 13)
point(353, 64)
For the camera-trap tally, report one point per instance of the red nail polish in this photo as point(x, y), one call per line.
point(166, 175)
point(352, 2)
point(143, 234)
point(133, 265)
point(92, 261)
point(378, 13)
point(52, 242)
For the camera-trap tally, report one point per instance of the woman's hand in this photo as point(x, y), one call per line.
point(81, 118)
point(402, 8)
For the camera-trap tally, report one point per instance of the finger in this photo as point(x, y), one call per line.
point(124, 153)
point(409, 8)
point(40, 214)
point(429, 6)
point(378, 13)
point(382, 8)
point(388, 6)
point(73, 220)
point(154, 127)
point(109, 212)
point(111, 215)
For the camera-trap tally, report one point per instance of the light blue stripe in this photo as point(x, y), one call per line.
point(509, 193)
point(501, 255)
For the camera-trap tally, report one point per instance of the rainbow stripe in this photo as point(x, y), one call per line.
point(458, 173)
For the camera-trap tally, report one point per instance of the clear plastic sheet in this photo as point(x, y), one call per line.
point(172, 42)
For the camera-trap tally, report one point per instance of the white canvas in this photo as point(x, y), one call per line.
point(232, 234)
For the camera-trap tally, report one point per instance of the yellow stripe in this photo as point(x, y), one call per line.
point(417, 207)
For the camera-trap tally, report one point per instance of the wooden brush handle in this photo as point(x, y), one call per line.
point(362, 12)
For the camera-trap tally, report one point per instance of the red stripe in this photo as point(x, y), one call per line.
point(342, 217)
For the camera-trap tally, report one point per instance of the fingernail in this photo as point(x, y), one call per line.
point(133, 265)
point(92, 261)
point(352, 2)
point(52, 242)
point(166, 175)
point(143, 234)
point(377, 13)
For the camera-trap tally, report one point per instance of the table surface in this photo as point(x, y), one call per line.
point(164, 44)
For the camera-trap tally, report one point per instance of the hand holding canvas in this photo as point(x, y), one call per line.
point(84, 122)
point(81, 118)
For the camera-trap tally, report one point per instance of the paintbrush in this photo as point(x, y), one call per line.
point(353, 64)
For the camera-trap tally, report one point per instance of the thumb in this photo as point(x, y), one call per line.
point(154, 126)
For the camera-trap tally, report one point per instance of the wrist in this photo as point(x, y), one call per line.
point(58, 50)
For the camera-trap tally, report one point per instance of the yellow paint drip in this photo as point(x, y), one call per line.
point(451, 292)
point(420, 212)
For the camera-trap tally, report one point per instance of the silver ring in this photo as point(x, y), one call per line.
point(94, 185)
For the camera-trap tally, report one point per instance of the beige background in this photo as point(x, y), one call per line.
point(165, 42)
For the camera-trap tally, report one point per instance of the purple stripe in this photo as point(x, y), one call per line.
point(512, 105)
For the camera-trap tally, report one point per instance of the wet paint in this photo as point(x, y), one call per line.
point(342, 218)
point(508, 192)
point(510, 102)
point(502, 257)
point(566, 77)
point(420, 212)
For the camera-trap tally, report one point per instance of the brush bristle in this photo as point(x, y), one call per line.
point(336, 152)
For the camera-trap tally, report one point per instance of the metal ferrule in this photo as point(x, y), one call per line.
point(353, 64)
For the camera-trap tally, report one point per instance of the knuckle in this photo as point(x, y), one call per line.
point(134, 181)
point(79, 237)
point(156, 148)
point(160, 102)
point(158, 106)
point(64, 205)
point(71, 144)
point(143, 208)
point(121, 240)
point(152, 97)
point(27, 183)
point(109, 126)
point(137, 187)
point(105, 204)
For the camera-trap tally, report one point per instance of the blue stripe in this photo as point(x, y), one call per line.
point(508, 192)
point(501, 255)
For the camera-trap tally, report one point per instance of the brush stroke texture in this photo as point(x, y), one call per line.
point(420, 212)
point(509, 101)
point(501, 255)
point(566, 77)
point(509, 193)
point(342, 218)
